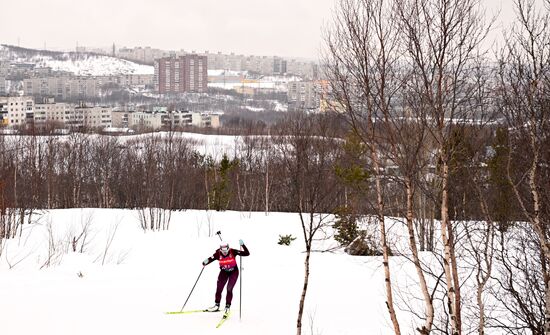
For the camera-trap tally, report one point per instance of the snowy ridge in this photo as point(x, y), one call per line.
point(80, 64)
point(96, 65)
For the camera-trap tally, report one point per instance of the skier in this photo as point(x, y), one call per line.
point(229, 272)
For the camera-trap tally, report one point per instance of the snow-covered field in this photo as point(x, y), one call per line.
point(125, 288)
point(212, 145)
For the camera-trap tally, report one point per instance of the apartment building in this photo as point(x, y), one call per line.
point(53, 112)
point(4, 68)
point(145, 55)
point(258, 64)
point(181, 74)
point(3, 86)
point(303, 95)
point(91, 117)
point(279, 66)
point(16, 111)
point(264, 65)
point(205, 120)
point(157, 120)
point(64, 87)
point(305, 69)
point(3, 112)
point(128, 80)
point(120, 119)
point(19, 111)
point(185, 118)
point(150, 120)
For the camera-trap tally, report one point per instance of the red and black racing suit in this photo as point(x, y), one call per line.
point(229, 272)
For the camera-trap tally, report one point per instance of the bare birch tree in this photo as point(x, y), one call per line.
point(367, 83)
point(308, 157)
point(524, 75)
point(442, 40)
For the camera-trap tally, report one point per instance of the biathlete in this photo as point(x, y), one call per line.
point(229, 272)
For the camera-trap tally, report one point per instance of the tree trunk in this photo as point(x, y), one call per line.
point(422, 225)
point(385, 248)
point(206, 188)
point(456, 282)
point(427, 328)
point(488, 250)
point(540, 229)
point(304, 291)
point(479, 298)
point(447, 262)
point(267, 185)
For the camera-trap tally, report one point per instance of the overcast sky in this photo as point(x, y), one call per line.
point(259, 27)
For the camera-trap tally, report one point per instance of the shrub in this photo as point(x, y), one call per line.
point(286, 239)
point(346, 226)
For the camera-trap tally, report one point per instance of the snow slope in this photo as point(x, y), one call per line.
point(97, 65)
point(81, 64)
point(146, 274)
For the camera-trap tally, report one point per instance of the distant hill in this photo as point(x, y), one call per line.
point(83, 64)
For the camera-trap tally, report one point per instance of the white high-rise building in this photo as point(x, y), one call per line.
point(303, 95)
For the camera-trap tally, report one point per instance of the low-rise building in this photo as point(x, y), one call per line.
point(16, 111)
point(156, 119)
point(20, 111)
point(149, 120)
point(206, 120)
point(92, 117)
point(67, 87)
point(3, 112)
point(119, 119)
point(53, 112)
point(185, 118)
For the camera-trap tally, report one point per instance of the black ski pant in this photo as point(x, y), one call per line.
point(229, 278)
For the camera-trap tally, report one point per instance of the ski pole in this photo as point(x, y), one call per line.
point(192, 290)
point(240, 285)
point(219, 233)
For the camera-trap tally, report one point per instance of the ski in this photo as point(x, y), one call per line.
point(224, 318)
point(193, 311)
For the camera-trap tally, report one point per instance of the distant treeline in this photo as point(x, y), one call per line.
point(165, 170)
